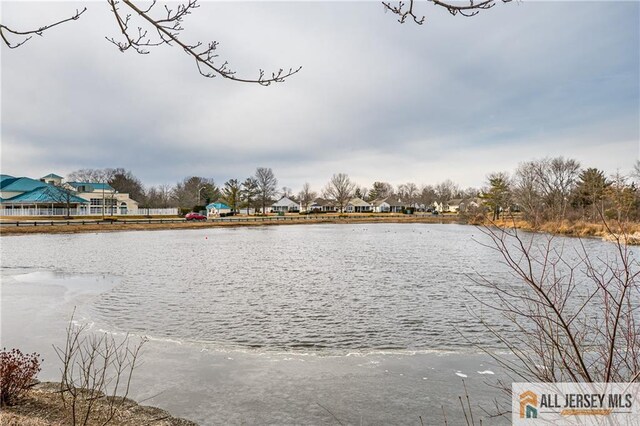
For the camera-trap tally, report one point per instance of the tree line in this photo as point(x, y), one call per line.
point(541, 189)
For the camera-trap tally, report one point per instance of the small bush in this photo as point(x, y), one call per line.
point(17, 372)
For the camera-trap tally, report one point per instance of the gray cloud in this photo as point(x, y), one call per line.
point(456, 98)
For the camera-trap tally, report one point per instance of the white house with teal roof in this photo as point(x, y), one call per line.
point(216, 209)
point(30, 197)
point(51, 196)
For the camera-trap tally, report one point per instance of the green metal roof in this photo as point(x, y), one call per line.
point(94, 185)
point(46, 195)
point(22, 184)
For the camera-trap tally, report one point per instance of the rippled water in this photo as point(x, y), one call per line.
point(320, 287)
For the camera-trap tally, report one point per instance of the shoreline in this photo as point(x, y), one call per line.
point(567, 228)
point(120, 227)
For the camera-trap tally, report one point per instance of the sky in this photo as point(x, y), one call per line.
point(456, 98)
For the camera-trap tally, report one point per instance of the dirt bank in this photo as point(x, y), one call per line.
point(43, 406)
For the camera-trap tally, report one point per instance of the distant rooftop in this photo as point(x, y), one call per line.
point(52, 176)
point(21, 184)
point(46, 194)
point(94, 185)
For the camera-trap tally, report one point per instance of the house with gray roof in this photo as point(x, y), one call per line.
point(322, 205)
point(285, 205)
point(358, 205)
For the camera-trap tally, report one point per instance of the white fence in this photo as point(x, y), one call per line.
point(93, 211)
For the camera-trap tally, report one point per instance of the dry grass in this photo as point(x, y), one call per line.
point(43, 406)
point(629, 231)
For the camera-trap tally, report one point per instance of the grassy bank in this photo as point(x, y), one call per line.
point(43, 406)
point(291, 220)
point(629, 232)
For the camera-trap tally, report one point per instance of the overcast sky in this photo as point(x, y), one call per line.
point(455, 98)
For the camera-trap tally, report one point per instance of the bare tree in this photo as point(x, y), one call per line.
point(159, 196)
point(91, 175)
point(286, 192)
point(266, 186)
point(155, 27)
point(445, 191)
point(527, 193)
point(306, 196)
point(556, 179)
point(621, 196)
point(409, 192)
point(340, 189)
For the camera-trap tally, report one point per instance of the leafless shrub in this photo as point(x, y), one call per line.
point(95, 366)
point(575, 315)
point(17, 373)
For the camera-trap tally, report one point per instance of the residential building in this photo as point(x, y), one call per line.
point(217, 209)
point(358, 205)
point(321, 205)
point(103, 198)
point(285, 205)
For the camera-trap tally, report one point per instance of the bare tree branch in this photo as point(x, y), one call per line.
point(168, 28)
point(465, 8)
point(26, 35)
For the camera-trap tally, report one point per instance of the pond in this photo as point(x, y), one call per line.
point(366, 323)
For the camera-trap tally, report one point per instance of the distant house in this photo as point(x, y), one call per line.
point(103, 198)
point(388, 205)
point(322, 205)
point(285, 205)
point(52, 179)
point(395, 205)
point(358, 205)
point(453, 205)
point(216, 209)
point(381, 206)
point(470, 203)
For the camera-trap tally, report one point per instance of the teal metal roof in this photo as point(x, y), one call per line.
point(94, 185)
point(22, 184)
point(52, 175)
point(46, 194)
point(218, 206)
point(4, 177)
